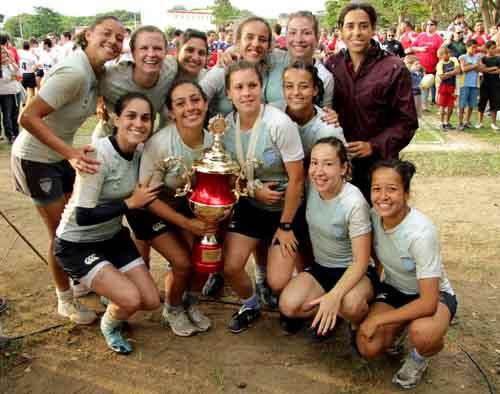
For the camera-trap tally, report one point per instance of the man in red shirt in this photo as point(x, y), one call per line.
point(480, 36)
point(407, 34)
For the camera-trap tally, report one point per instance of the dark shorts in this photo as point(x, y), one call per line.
point(40, 73)
point(328, 277)
point(29, 80)
point(43, 182)
point(82, 260)
point(147, 226)
point(393, 297)
point(254, 222)
point(491, 94)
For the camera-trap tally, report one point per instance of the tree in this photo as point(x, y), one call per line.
point(224, 12)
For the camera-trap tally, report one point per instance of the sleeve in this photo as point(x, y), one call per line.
point(62, 87)
point(286, 137)
point(425, 250)
point(358, 219)
point(328, 85)
point(88, 186)
point(403, 120)
point(439, 68)
point(213, 83)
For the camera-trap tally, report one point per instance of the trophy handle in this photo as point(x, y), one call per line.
point(240, 191)
point(169, 162)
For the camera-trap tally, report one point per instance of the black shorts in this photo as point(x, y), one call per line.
point(147, 226)
point(43, 182)
point(82, 260)
point(489, 93)
point(393, 297)
point(29, 80)
point(255, 222)
point(40, 73)
point(328, 277)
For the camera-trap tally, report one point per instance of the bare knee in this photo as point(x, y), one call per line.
point(151, 301)
point(353, 308)
point(369, 349)
point(288, 307)
point(424, 339)
point(129, 303)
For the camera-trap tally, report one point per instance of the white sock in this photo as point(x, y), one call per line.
point(64, 296)
point(109, 322)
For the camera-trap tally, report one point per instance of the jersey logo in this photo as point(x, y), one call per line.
point(91, 259)
point(45, 185)
point(158, 226)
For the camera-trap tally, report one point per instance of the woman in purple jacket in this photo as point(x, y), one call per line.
point(372, 95)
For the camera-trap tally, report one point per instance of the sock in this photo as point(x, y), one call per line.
point(64, 296)
point(260, 274)
point(416, 356)
point(108, 322)
point(252, 302)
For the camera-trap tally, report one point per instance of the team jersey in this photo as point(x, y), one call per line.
point(409, 252)
point(334, 223)
point(70, 89)
point(27, 62)
point(114, 181)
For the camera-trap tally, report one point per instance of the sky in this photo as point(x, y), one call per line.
point(263, 8)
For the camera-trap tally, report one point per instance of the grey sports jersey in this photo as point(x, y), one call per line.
point(334, 223)
point(115, 180)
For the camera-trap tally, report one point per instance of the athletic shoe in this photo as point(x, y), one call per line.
point(266, 296)
point(449, 126)
point(76, 312)
point(179, 322)
point(115, 340)
point(410, 374)
point(3, 304)
point(443, 127)
point(289, 325)
point(80, 290)
point(214, 285)
point(198, 318)
point(398, 346)
point(241, 320)
point(461, 127)
point(468, 126)
point(495, 127)
point(479, 126)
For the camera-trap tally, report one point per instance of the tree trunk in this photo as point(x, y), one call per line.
point(486, 13)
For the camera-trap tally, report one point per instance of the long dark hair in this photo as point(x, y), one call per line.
point(122, 102)
point(317, 82)
point(405, 169)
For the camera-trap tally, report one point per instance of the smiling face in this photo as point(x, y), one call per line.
point(189, 108)
point(149, 52)
point(299, 89)
point(301, 38)
point(254, 42)
point(134, 124)
point(326, 171)
point(192, 56)
point(388, 196)
point(244, 90)
point(105, 41)
point(357, 31)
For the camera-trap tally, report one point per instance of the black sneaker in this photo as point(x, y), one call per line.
point(214, 285)
point(290, 326)
point(449, 126)
point(241, 320)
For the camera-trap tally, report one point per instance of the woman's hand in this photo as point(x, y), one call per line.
point(267, 195)
point(331, 117)
point(368, 328)
point(326, 317)
point(143, 195)
point(286, 241)
point(200, 227)
point(101, 111)
point(82, 162)
point(225, 59)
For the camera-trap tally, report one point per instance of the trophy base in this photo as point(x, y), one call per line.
point(207, 255)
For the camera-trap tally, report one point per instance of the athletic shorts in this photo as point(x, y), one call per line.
point(147, 226)
point(491, 94)
point(328, 277)
point(393, 297)
point(83, 260)
point(468, 97)
point(29, 80)
point(43, 182)
point(446, 95)
point(40, 73)
point(254, 222)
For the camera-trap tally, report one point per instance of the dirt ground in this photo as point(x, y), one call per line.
point(71, 359)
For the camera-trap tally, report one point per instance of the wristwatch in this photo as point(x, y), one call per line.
point(285, 226)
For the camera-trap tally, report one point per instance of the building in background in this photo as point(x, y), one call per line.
point(178, 18)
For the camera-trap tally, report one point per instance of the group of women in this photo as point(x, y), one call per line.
point(273, 106)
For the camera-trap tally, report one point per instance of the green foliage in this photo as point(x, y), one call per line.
point(224, 12)
point(332, 11)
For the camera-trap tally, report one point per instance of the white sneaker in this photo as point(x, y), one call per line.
point(479, 126)
point(80, 290)
point(410, 374)
point(495, 127)
point(199, 319)
point(179, 322)
point(76, 312)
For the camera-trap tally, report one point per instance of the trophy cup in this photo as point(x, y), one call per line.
point(212, 199)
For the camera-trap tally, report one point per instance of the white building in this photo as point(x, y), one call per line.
point(179, 19)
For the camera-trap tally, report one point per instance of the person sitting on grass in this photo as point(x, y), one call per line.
point(415, 295)
point(469, 63)
point(446, 71)
point(490, 87)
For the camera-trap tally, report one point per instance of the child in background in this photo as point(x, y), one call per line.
point(469, 90)
point(446, 71)
point(417, 74)
point(490, 87)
